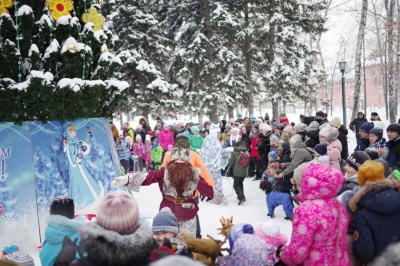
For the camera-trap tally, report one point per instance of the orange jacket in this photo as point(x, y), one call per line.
point(196, 162)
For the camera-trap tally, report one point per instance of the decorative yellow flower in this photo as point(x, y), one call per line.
point(93, 16)
point(4, 4)
point(60, 8)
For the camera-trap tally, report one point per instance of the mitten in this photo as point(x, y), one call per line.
point(80, 155)
point(67, 253)
point(263, 176)
point(120, 181)
point(271, 179)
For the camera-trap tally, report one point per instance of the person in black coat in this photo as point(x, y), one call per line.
point(335, 122)
point(376, 208)
point(264, 146)
point(393, 144)
point(356, 123)
point(312, 132)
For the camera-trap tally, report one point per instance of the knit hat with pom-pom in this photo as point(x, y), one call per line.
point(237, 231)
point(118, 212)
point(269, 231)
point(20, 258)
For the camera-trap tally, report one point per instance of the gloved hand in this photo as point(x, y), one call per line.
point(271, 179)
point(80, 155)
point(120, 181)
point(263, 176)
point(68, 252)
point(83, 148)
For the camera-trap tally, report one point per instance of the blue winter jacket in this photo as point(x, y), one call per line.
point(377, 217)
point(58, 227)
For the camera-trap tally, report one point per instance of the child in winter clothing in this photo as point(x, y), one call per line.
point(227, 142)
point(280, 194)
point(239, 171)
point(124, 154)
point(329, 135)
point(270, 233)
point(147, 149)
point(255, 158)
point(320, 221)
point(60, 224)
point(249, 249)
point(165, 138)
point(165, 229)
point(195, 139)
point(273, 164)
point(139, 151)
point(321, 154)
point(156, 154)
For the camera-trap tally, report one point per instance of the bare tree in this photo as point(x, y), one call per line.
point(360, 38)
point(390, 25)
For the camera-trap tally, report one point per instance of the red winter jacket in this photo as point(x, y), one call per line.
point(253, 147)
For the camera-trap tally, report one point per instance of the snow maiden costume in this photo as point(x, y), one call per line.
point(83, 188)
point(215, 157)
point(178, 182)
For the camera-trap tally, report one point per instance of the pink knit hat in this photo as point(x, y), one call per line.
point(270, 233)
point(118, 212)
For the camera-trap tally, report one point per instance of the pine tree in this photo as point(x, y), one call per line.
point(204, 63)
point(145, 53)
point(55, 61)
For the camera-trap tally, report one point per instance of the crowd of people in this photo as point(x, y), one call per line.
point(344, 206)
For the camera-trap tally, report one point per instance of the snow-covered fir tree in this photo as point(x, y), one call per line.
point(204, 62)
point(145, 53)
point(55, 61)
point(289, 59)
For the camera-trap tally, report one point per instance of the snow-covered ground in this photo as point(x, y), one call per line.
point(253, 211)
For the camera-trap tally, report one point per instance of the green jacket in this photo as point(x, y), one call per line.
point(238, 170)
point(195, 142)
point(156, 155)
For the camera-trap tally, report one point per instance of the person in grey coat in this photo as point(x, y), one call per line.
point(300, 153)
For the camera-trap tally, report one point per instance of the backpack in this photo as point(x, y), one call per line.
point(244, 159)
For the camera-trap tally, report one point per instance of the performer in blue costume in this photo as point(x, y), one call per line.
point(84, 189)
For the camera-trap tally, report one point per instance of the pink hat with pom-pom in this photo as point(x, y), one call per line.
point(270, 233)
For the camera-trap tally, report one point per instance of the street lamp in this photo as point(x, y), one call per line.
point(342, 67)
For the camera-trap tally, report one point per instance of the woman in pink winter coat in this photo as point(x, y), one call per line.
point(319, 222)
point(329, 135)
point(165, 137)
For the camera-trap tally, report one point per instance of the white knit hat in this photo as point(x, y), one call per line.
point(265, 126)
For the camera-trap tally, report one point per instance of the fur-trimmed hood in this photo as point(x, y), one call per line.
point(60, 226)
point(105, 247)
point(378, 197)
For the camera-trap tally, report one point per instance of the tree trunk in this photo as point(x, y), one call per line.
point(382, 51)
point(213, 115)
point(247, 54)
point(145, 113)
point(391, 87)
point(200, 114)
point(230, 112)
point(360, 38)
point(275, 111)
